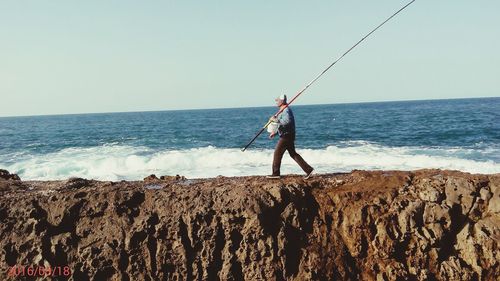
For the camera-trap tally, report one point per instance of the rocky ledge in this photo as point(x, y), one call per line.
point(383, 225)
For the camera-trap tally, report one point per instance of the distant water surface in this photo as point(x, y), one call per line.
point(460, 134)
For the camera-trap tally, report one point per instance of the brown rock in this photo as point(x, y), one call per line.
point(76, 183)
point(386, 225)
point(151, 177)
point(494, 201)
point(460, 191)
point(4, 174)
point(172, 178)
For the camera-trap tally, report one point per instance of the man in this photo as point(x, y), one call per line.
point(286, 129)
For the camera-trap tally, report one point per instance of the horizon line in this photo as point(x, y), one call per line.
point(241, 107)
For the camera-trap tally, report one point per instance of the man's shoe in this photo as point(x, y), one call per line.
point(309, 175)
point(273, 177)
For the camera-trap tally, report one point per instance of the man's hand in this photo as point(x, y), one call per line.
point(272, 135)
point(273, 119)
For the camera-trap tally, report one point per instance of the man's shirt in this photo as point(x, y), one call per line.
point(286, 123)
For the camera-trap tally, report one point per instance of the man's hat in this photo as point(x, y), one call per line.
point(282, 98)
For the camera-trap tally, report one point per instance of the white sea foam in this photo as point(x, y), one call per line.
point(116, 162)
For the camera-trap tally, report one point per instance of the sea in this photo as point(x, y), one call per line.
point(454, 134)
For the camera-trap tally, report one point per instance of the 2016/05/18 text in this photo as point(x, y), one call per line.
point(38, 271)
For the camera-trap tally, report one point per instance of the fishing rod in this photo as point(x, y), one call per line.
point(323, 72)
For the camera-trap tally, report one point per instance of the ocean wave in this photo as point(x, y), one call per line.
point(117, 162)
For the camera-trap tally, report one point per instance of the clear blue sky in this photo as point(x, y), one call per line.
point(106, 56)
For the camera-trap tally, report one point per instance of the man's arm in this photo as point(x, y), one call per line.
point(273, 127)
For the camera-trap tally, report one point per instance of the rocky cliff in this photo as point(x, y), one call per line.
point(384, 225)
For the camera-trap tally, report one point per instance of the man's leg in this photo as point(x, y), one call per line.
point(302, 163)
point(278, 155)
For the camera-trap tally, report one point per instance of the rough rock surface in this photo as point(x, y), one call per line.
point(4, 174)
point(384, 225)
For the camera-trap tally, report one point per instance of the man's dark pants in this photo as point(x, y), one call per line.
point(288, 143)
